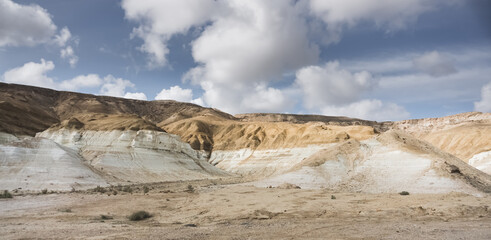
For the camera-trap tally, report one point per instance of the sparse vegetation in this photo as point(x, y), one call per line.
point(333, 197)
point(6, 194)
point(44, 191)
point(140, 215)
point(146, 189)
point(99, 189)
point(106, 217)
point(127, 189)
point(190, 189)
point(404, 193)
point(67, 210)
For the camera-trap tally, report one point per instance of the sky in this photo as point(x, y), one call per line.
point(371, 59)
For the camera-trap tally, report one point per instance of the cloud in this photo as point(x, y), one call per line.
point(330, 85)
point(198, 101)
point(136, 95)
point(388, 15)
point(24, 25)
point(115, 87)
point(244, 45)
point(31, 73)
point(371, 109)
point(399, 81)
point(435, 64)
point(241, 52)
point(81, 81)
point(245, 50)
point(267, 99)
point(29, 25)
point(175, 93)
point(35, 74)
point(179, 94)
point(159, 20)
point(385, 13)
point(485, 104)
point(67, 53)
point(334, 91)
point(63, 37)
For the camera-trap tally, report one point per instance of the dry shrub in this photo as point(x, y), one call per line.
point(140, 215)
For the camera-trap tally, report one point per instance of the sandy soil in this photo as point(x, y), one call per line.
point(216, 210)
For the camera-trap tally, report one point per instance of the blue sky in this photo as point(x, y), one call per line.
point(380, 60)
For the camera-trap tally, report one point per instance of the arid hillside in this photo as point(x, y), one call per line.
point(29, 110)
point(87, 140)
point(463, 135)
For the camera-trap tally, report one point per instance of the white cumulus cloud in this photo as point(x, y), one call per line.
point(267, 99)
point(68, 53)
point(35, 74)
point(179, 94)
point(63, 40)
point(331, 85)
point(115, 87)
point(160, 19)
point(136, 95)
point(29, 25)
point(370, 109)
point(31, 73)
point(175, 93)
point(254, 43)
point(63, 37)
point(485, 104)
point(81, 81)
point(245, 49)
point(24, 25)
point(331, 90)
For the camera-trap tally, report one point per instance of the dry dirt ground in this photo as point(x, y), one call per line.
point(220, 210)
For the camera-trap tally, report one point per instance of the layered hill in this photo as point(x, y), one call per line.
point(391, 162)
point(26, 110)
point(466, 135)
point(85, 140)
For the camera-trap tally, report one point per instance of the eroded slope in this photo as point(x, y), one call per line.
point(466, 135)
point(121, 140)
point(390, 162)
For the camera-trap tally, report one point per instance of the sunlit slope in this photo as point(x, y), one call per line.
point(391, 162)
point(466, 135)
